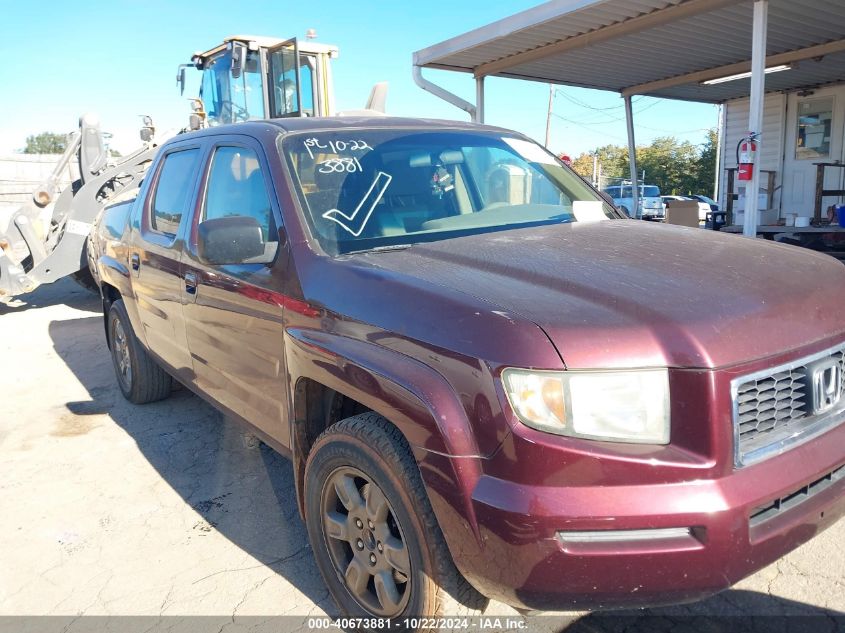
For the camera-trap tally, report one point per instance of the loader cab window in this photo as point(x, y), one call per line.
point(290, 98)
point(228, 99)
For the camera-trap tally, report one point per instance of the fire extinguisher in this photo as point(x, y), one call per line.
point(746, 156)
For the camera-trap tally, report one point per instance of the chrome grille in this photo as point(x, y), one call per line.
point(774, 408)
point(772, 402)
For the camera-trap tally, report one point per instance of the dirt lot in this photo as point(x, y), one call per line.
point(112, 509)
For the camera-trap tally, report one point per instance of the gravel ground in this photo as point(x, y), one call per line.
point(110, 509)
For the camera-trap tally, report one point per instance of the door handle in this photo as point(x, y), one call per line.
point(191, 283)
point(135, 259)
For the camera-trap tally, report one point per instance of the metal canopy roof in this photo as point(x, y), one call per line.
point(663, 48)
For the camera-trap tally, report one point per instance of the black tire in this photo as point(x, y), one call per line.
point(139, 377)
point(372, 454)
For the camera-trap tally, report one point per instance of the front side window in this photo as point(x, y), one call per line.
point(365, 189)
point(236, 187)
point(173, 190)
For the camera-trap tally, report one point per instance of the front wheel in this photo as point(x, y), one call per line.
point(370, 523)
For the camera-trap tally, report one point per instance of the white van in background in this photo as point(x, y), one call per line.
point(651, 206)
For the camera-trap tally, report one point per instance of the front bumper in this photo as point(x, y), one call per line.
point(528, 563)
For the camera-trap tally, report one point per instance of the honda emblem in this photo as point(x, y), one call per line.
point(827, 385)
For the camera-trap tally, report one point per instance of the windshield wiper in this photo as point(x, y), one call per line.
point(381, 249)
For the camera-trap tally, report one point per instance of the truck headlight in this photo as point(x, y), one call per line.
point(616, 406)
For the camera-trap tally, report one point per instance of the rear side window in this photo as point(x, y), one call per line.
point(236, 187)
point(175, 183)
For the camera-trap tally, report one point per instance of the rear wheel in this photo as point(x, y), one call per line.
point(372, 528)
point(139, 377)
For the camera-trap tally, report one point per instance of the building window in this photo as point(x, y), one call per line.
point(814, 126)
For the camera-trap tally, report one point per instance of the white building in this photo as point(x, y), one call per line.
point(800, 128)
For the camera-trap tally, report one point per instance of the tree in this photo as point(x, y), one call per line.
point(677, 167)
point(670, 165)
point(706, 175)
point(45, 143)
point(613, 159)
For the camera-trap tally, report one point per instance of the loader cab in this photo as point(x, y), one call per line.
point(250, 77)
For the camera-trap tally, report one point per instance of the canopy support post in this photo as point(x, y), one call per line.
point(755, 112)
point(479, 99)
point(632, 159)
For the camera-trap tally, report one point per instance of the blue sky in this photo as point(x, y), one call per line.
point(119, 59)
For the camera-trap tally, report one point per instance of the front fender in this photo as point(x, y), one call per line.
point(414, 397)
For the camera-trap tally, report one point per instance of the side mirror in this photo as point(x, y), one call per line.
point(180, 78)
point(238, 59)
point(230, 240)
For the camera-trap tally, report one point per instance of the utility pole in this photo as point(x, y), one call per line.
point(595, 167)
point(549, 115)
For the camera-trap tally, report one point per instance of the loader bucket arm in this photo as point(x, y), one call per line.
point(62, 250)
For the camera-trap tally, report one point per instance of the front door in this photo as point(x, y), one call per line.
point(156, 253)
point(814, 134)
point(233, 313)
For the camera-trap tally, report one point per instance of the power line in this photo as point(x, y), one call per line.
point(582, 124)
point(578, 102)
point(611, 119)
point(584, 104)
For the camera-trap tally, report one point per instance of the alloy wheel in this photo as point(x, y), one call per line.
point(120, 353)
point(365, 542)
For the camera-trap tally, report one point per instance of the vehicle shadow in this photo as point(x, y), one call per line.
point(241, 489)
point(734, 611)
point(63, 292)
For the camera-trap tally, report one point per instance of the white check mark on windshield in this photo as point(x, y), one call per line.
point(357, 220)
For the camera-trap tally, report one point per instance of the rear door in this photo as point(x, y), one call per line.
point(156, 251)
point(233, 313)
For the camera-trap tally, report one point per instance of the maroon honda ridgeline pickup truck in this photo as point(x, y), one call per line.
point(490, 383)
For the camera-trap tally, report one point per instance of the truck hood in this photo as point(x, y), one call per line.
point(621, 294)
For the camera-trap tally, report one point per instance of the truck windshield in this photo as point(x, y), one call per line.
point(368, 189)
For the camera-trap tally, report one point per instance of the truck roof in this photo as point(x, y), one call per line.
point(305, 124)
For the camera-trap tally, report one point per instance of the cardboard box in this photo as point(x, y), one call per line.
point(682, 212)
